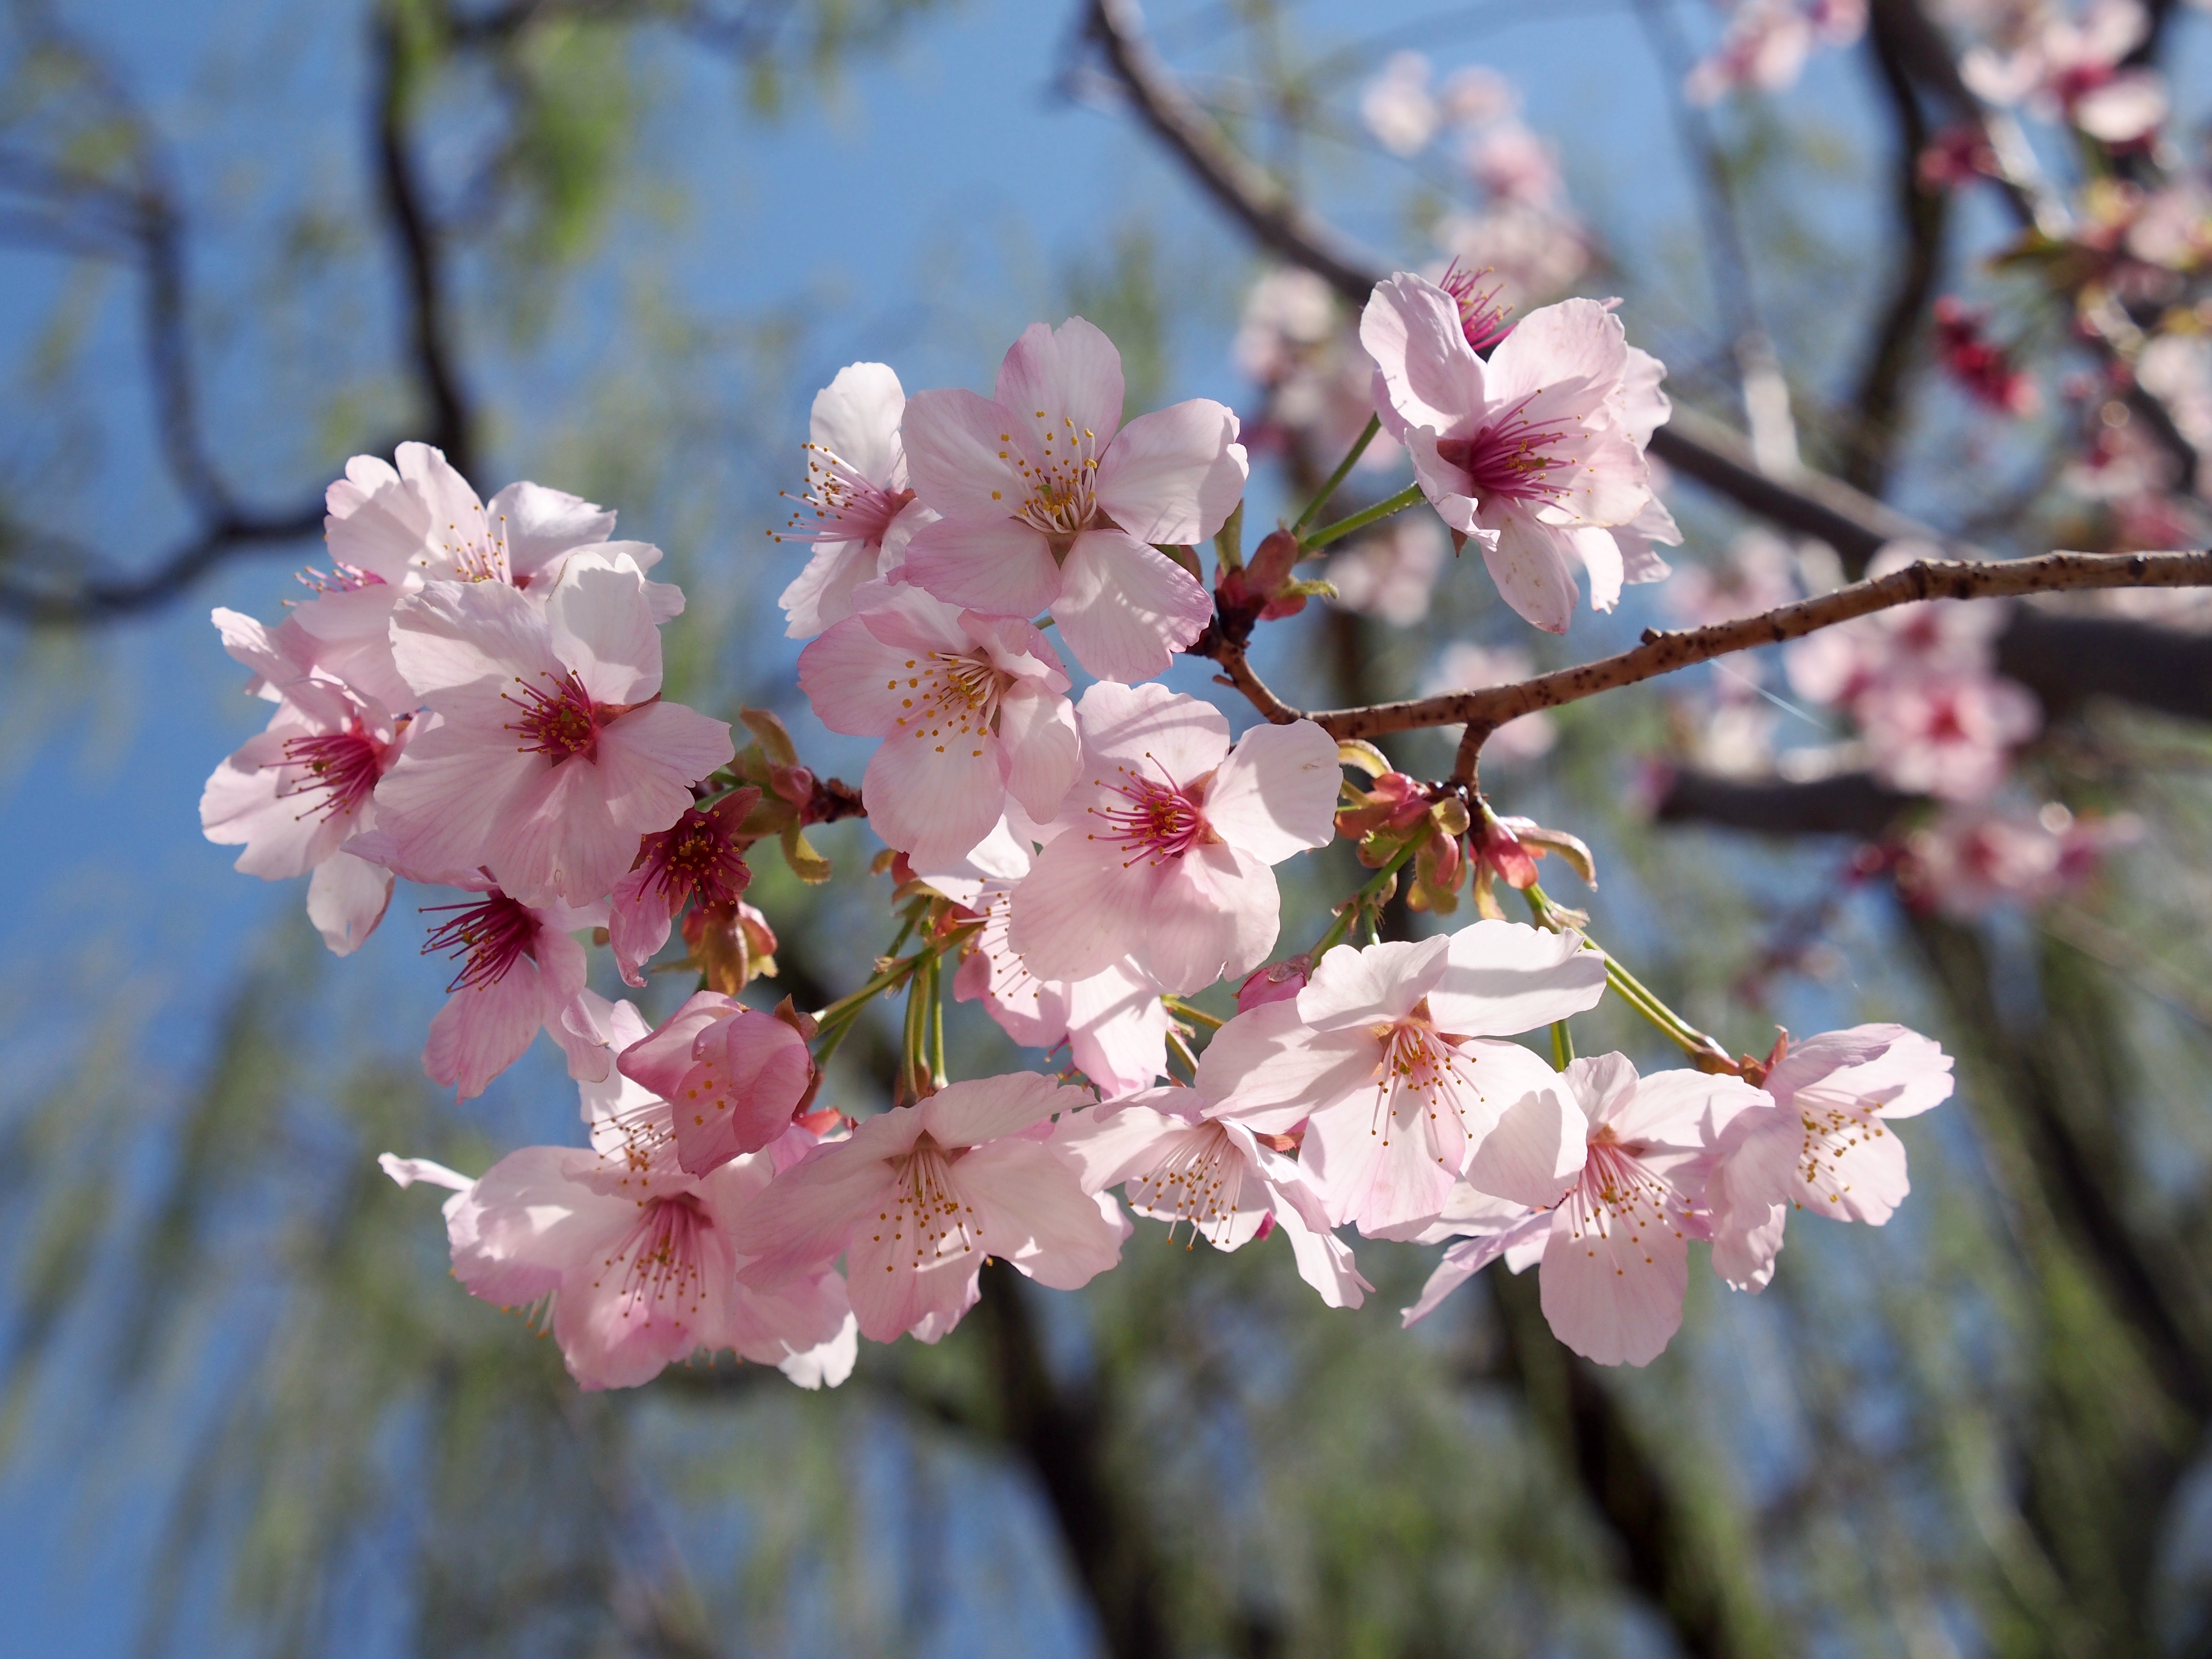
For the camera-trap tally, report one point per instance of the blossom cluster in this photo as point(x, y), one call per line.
point(473, 698)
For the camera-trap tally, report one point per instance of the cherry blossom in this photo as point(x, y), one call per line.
point(918, 1197)
point(1946, 735)
point(640, 1267)
point(1973, 857)
point(1175, 1164)
point(698, 859)
point(552, 752)
point(1391, 1058)
point(1824, 1144)
point(1050, 503)
point(1768, 42)
point(733, 1076)
point(2071, 68)
point(971, 708)
point(854, 508)
point(1167, 838)
point(1615, 1249)
point(1537, 454)
point(521, 971)
point(1113, 1021)
point(1398, 106)
point(295, 795)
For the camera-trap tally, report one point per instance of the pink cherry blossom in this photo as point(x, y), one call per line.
point(854, 510)
point(1615, 1248)
point(1824, 1144)
point(1768, 42)
point(521, 971)
point(640, 1267)
point(918, 1197)
point(297, 793)
point(1946, 735)
point(971, 709)
point(1167, 840)
point(1535, 455)
point(1050, 503)
point(697, 860)
point(1390, 1057)
point(1175, 1164)
point(552, 752)
point(1532, 251)
point(1398, 106)
point(733, 1076)
point(1113, 1022)
point(1973, 857)
point(2071, 68)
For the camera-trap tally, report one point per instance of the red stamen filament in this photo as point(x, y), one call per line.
point(496, 934)
point(560, 722)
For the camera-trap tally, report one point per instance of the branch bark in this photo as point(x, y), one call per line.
point(1664, 653)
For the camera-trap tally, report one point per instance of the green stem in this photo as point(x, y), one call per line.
point(1409, 496)
point(937, 1020)
point(1182, 1009)
point(1348, 913)
point(1633, 991)
point(914, 1063)
point(1343, 471)
point(1563, 1045)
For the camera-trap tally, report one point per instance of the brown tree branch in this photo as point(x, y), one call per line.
point(1664, 653)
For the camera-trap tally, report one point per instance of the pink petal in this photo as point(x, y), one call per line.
point(525, 1226)
point(1212, 912)
point(965, 458)
point(1501, 978)
point(936, 792)
point(1431, 375)
point(1600, 553)
point(1354, 986)
point(858, 684)
point(459, 634)
point(1530, 563)
point(1125, 609)
point(987, 1108)
point(1078, 910)
point(1612, 1290)
point(661, 1061)
point(556, 838)
point(377, 521)
point(1145, 732)
point(541, 524)
point(1276, 794)
point(1063, 383)
point(346, 899)
point(483, 1030)
point(1174, 475)
point(442, 804)
point(1446, 486)
point(1117, 1031)
point(1577, 344)
point(753, 1071)
point(603, 628)
point(1035, 1214)
point(1036, 729)
point(856, 417)
point(639, 920)
point(1325, 1261)
point(821, 593)
point(997, 565)
point(1267, 1071)
point(1463, 1262)
point(808, 1212)
point(1380, 1175)
point(1110, 1147)
point(1535, 1154)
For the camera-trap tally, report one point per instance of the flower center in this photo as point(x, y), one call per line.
point(478, 550)
point(1481, 318)
point(560, 721)
point(660, 1260)
point(927, 1215)
point(1617, 1191)
point(840, 503)
point(1419, 1074)
point(341, 767)
point(1160, 819)
point(494, 935)
point(1831, 1133)
point(695, 857)
point(1511, 458)
point(950, 700)
point(1063, 485)
point(1199, 1180)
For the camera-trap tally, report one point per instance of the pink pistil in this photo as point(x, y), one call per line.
point(495, 935)
point(1508, 459)
point(560, 722)
point(1161, 822)
point(1480, 316)
point(342, 766)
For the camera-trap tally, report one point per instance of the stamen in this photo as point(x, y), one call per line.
point(660, 1260)
point(496, 934)
point(1482, 319)
point(1199, 1180)
point(927, 1209)
point(560, 722)
point(839, 503)
point(342, 767)
point(1163, 819)
point(1509, 457)
point(695, 858)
